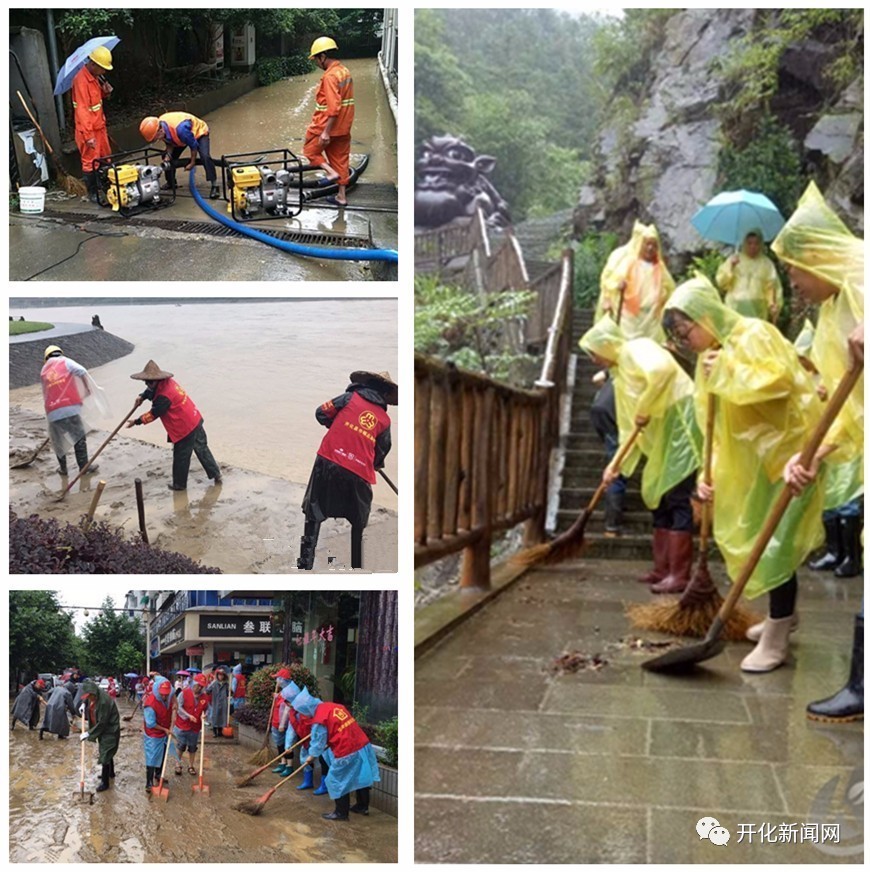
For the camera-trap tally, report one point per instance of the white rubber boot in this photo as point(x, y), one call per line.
point(772, 648)
point(754, 632)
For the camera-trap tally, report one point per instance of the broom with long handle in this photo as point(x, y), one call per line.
point(255, 808)
point(696, 608)
point(570, 543)
point(260, 758)
point(248, 778)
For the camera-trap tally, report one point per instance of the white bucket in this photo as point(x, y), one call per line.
point(32, 200)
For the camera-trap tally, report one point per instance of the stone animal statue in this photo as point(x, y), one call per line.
point(452, 183)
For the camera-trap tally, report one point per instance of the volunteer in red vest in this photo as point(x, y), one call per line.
point(181, 130)
point(277, 726)
point(89, 89)
point(327, 139)
point(157, 708)
point(357, 441)
point(182, 420)
point(352, 763)
point(65, 383)
point(188, 721)
point(298, 726)
point(238, 688)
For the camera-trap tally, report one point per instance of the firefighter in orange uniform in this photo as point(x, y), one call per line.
point(327, 140)
point(181, 130)
point(182, 420)
point(89, 88)
point(357, 441)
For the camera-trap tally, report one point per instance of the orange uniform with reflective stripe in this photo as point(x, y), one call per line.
point(334, 99)
point(90, 121)
point(173, 119)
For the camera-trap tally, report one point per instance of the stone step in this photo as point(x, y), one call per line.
point(574, 499)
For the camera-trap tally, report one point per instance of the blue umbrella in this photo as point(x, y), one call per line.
point(131, 675)
point(77, 60)
point(729, 216)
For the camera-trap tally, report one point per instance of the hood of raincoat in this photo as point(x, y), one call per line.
point(604, 338)
point(237, 669)
point(700, 301)
point(90, 687)
point(305, 703)
point(158, 689)
point(816, 240)
point(289, 693)
point(804, 341)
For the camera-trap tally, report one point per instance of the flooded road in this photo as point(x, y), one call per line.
point(256, 371)
point(126, 825)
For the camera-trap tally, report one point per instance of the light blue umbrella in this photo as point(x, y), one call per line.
point(729, 216)
point(77, 60)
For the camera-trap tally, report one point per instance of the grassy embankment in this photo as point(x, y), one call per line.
point(16, 328)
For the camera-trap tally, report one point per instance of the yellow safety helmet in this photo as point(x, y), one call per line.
point(102, 57)
point(51, 350)
point(321, 44)
point(148, 127)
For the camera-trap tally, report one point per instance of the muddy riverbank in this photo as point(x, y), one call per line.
point(251, 523)
point(125, 825)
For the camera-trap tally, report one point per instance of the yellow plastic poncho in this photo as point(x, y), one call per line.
point(648, 381)
point(816, 240)
point(648, 286)
point(766, 406)
point(751, 286)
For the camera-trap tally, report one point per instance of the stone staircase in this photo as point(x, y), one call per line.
point(584, 462)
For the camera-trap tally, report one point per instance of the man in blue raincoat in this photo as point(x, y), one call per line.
point(157, 708)
point(352, 763)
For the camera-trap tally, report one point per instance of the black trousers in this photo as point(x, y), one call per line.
point(674, 512)
point(204, 151)
point(342, 804)
point(196, 442)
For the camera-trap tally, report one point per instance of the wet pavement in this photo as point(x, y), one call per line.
point(273, 117)
point(126, 825)
point(615, 764)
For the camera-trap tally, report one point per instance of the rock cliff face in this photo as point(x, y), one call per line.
point(659, 161)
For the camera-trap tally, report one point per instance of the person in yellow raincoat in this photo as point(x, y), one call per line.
point(766, 405)
point(750, 282)
point(825, 263)
point(653, 392)
point(635, 284)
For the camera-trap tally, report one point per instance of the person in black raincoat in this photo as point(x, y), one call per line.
point(26, 707)
point(60, 701)
point(354, 447)
point(104, 727)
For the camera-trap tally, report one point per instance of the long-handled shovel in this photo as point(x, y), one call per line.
point(681, 659)
point(570, 543)
point(255, 808)
point(201, 789)
point(28, 460)
point(262, 755)
point(94, 456)
point(160, 790)
point(386, 478)
point(249, 778)
point(226, 729)
point(80, 793)
point(692, 613)
point(129, 717)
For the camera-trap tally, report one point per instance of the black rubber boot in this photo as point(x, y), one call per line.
point(91, 185)
point(41, 731)
point(81, 450)
point(215, 192)
point(308, 544)
point(112, 768)
point(834, 554)
point(104, 784)
point(149, 779)
point(848, 703)
point(356, 549)
point(850, 529)
point(61, 466)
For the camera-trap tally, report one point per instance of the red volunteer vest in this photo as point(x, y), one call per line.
point(164, 716)
point(277, 712)
point(241, 684)
point(58, 385)
point(173, 119)
point(350, 440)
point(343, 733)
point(189, 703)
point(183, 416)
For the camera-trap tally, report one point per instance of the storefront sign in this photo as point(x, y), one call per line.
point(170, 637)
point(255, 626)
point(195, 651)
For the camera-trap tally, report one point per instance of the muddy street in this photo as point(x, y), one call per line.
point(127, 825)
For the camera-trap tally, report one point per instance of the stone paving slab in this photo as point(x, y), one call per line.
point(516, 764)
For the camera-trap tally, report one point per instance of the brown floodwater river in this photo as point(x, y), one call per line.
point(256, 370)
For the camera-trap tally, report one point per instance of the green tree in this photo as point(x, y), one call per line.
point(104, 635)
point(41, 634)
point(129, 658)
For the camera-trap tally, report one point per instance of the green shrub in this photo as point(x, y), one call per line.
point(261, 685)
point(297, 64)
point(270, 70)
point(590, 255)
point(387, 733)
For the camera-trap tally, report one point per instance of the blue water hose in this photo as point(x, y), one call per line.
point(381, 254)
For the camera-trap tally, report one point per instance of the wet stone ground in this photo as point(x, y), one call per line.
point(126, 825)
point(517, 762)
